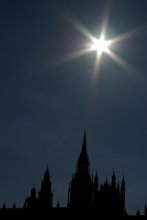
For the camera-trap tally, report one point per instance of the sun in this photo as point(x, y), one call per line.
point(100, 45)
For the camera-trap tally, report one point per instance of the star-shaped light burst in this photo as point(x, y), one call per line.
point(100, 45)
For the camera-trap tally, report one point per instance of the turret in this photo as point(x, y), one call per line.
point(123, 186)
point(45, 194)
point(113, 182)
point(96, 183)
point(14, 206)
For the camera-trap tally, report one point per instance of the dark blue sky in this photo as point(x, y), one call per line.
point(44, 108)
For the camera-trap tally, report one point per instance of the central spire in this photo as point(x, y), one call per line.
point(83, 164)
point(84, 145)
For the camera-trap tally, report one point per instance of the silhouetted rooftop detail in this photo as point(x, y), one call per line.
point(138, 212)
point(4, 205)
point(84, 145)
point(83, 164)
point(14, 206)
point(84, 192)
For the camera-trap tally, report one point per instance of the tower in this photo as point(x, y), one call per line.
point(122, 196)
point(80, 188)
point(83, 164)
point(113, 182)
point(31, 202)
point(45, 194)
point(95, 192)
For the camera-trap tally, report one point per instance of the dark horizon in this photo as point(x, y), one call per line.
point(46, 104)
point(84, 191)
point(56, 201)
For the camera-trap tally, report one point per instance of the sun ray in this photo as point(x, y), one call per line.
point(73, 55)
point(132, 33)
point(81, 28)
point(97, 65)
point(106, 18)
point(70, 18)
point(124, 64)
point(100, 45)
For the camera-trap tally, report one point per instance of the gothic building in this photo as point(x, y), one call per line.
point(80, 188)
point(45, 196)
point(86, 192)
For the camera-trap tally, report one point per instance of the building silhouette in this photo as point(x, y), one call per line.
point(84, 192)
point(81, 186)
point(45, 196)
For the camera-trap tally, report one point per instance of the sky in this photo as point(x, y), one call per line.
point(46, 103)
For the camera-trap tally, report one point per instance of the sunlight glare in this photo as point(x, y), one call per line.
point(100, 45)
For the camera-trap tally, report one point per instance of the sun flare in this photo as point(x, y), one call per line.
point(100, 45)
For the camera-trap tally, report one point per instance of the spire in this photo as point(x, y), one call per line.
point(14, 206)
point(45, 194)
point(106, 182)
point(113, 176)
point(123, 186)
point(33, 192)
point(84, 145)
point(96, 182)
point(4, 205)
point(47, 174)
point(138, 212)
point(83, 164)
point(58, 204)
point(106, 185)
point(46, 180)
point(113, 183)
